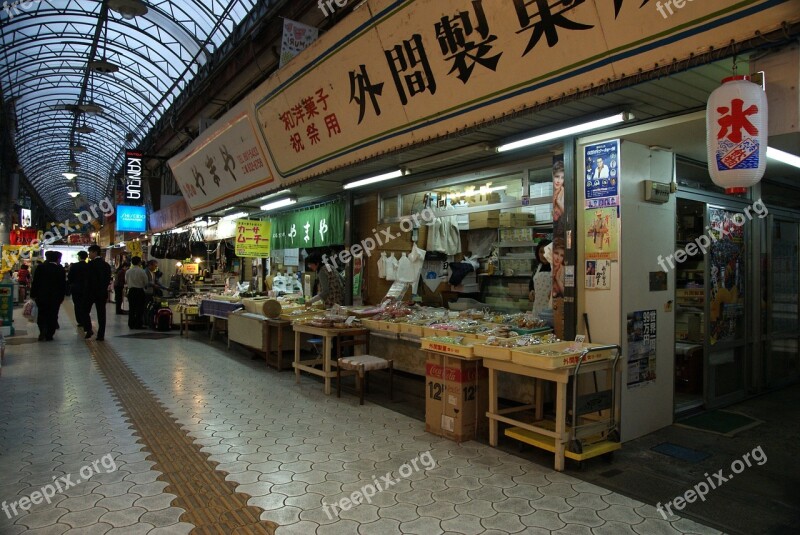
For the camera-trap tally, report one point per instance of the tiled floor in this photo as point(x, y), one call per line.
point(289, 447)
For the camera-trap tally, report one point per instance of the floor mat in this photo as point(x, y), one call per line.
point(725, 423)
point(147, 336)
point(681, 452)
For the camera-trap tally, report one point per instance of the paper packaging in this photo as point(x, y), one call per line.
point(517, 220)
point(456, 397)
point(488, 219)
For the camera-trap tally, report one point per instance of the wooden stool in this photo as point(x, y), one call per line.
point(361, 365)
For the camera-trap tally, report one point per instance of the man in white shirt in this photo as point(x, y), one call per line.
point(601, 171)
point(136, 280)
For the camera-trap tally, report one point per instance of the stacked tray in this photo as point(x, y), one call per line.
point(558, 355)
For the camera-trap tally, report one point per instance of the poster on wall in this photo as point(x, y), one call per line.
point(597, 275)
point(727, 270)
point(601, 236)
point(641, 348)
point(602, 174)
point(252, 238)
point(358, 278)
point(558, 195)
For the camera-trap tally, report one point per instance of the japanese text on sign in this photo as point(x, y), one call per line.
point(252, 238)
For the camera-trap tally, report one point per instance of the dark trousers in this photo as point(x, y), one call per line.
point(119, 297)
point(48, 317)
point(100, 303)
point(77, 304)
point(136, 305)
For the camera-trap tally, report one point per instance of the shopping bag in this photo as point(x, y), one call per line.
point(30, 310)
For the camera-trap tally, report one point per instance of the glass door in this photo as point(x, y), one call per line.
point(726, 305)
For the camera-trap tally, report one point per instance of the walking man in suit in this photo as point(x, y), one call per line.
point(78, 276)
point(98, 280)
point(47, 289)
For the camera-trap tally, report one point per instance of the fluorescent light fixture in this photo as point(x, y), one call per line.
point(70, 176)
point(74, 194)
point(374, 179)
point(237, 215)
point(781, 156)
point(563, 132)
point(279, 204)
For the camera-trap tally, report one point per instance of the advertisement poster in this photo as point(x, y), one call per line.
point(602, 174)
point(598, 275)
point(641, 347)
point(558, 195)
point(252, 238)
point(601, 236)
point(726, 320)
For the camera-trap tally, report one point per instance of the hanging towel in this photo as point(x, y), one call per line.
point(391, 267)
point(382, 266)
point(417, 258)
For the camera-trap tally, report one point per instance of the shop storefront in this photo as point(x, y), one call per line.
point(573, 149)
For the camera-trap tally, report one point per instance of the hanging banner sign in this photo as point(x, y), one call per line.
point(223, 167)
point(133, 178)
point(252, 238)
point(170, 217)
point(296, 38)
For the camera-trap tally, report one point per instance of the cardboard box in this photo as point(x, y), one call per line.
point(456, 398)
point(487, 219)
point(517, 220)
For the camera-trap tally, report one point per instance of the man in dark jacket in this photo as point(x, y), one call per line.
point(98, 280)
point(47, 289)
point(77, 277)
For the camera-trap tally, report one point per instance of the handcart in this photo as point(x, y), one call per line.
point(585, 424)
point(589, 425)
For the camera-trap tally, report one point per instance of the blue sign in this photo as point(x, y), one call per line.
point(131, 218)
point(602, 174)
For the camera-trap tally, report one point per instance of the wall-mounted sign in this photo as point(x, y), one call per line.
point(226, 165)
point(133, 178)
point(131, 219)
point(252, 238)
point(25, 218)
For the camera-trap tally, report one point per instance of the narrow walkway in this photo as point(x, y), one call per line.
point(291, 449)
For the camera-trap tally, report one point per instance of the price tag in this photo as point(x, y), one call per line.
point(580, 338)
point(350, 320)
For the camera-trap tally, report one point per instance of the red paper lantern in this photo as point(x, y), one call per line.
point(736, 134)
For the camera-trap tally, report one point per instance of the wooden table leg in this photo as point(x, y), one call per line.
point(326, 364)
point(492, 407)
point(296, 357)
point(279, 349)
point(561, 424)
point(538, 392)
point(267, 341)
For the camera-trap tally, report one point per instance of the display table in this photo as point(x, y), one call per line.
point(278, 326)
point(218, 311)
point(555, 435)
point(328, 336)
point(189, 315)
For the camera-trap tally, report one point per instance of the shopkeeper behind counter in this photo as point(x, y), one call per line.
point(541, 284)
point(331, 285)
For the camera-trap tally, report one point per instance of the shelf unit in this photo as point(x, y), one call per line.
point(509, 284)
